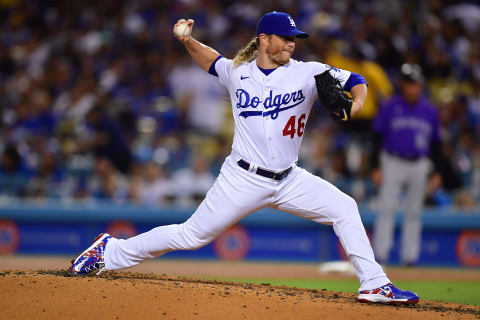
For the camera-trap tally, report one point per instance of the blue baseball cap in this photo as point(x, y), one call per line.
point(279, 23)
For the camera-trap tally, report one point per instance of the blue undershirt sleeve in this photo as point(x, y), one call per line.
point(353, 80)
point(212, 70)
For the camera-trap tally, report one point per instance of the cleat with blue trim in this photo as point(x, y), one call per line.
point(388, 294)
point(91, 259)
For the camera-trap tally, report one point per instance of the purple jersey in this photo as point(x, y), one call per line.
point(407, 130)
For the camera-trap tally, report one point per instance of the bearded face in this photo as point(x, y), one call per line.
point(279, 49)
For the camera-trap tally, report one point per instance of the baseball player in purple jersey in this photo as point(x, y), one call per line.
point(408, 128)
point(272, 95)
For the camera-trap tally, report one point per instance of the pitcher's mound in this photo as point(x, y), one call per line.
point(54, 294)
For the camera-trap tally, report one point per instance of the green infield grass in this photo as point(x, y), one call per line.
point(448, 291)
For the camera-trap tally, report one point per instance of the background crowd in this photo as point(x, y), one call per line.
point(99, 101)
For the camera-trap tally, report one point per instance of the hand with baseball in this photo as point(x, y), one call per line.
point(202, 54)
point(183, 29)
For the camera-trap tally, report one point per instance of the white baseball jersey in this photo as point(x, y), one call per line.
point(271, 111)
point(270, 115)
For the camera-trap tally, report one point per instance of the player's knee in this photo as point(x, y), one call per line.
point(194, 239)
point(349, 207)
point(350, 203)
point(196, 243)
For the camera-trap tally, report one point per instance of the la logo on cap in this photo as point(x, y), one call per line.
point(279, 23)
point(292, 23)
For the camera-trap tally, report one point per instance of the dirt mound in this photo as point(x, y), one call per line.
point(55, 294)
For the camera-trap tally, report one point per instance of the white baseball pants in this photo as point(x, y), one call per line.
point(237, 193)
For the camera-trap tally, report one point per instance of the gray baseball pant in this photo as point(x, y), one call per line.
point(396, 174)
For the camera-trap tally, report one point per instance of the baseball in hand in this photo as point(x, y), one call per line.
point(182, 30)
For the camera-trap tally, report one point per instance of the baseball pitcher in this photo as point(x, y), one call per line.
point(271, 96)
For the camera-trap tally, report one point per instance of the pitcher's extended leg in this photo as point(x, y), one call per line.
point(311, 197)
point(229, 200)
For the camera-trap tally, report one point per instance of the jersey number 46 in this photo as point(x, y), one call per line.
point(290, 128)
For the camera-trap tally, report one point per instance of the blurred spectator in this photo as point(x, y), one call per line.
point(107, 183)
point(47, 179)
point(468, 14)
point(191, 184)
point(107, 140)
point(14, 174)
point(379, 85)
point(82, 80)
point(151, 186)
point(202, 100)
point(34, 115)
point(473, 105)
point(74, 104)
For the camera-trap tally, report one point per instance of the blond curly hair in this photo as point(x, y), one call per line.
point(248, 53)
